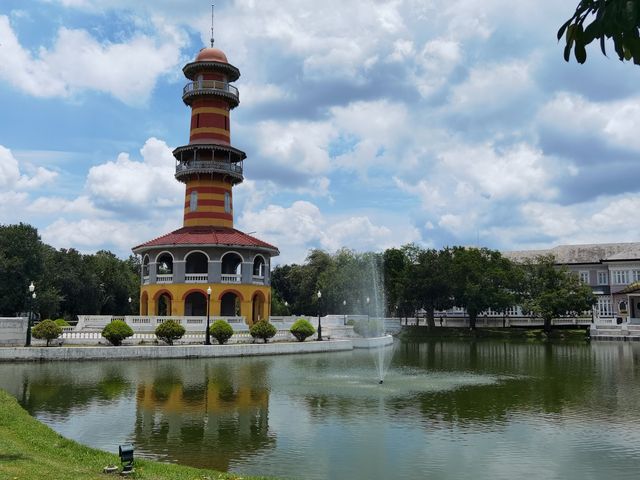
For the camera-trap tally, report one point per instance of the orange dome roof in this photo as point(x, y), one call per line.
point(211, 55)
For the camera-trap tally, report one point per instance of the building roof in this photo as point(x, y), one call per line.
point(211, 54)
point(206, 236)
point(588, 253)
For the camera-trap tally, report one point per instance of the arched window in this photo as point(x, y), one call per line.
point(165, 264)
point(258, 266)
point(145, 266)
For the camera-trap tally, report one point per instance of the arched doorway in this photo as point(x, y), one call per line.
point(195, 305)
point(258, 269)
point(196, 268)
point(230, 305)
point(257, 307)
point(144, 304)
point(231, 268)
point(163, 305)
point(164, 268)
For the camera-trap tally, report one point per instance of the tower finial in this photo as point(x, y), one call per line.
point(212, 25)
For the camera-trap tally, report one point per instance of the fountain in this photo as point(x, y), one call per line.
point(372, 331)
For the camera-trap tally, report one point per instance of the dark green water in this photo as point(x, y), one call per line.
point(447, 410)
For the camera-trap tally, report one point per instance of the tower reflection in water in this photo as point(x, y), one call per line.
point(209, 423)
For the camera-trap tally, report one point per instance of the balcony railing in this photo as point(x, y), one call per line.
point(164, 278)
point(210, 86)
point(258, 279)
point(196, 278)
point(231, 278)
point(200, 166)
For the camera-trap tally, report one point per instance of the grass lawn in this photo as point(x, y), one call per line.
point(31, 450)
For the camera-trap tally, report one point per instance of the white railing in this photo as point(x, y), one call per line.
point(192, 165)
point(258, 279)
point(145, 280)
point(196, 278)
point(207, 85)
point(231, 278)
point(164, 278)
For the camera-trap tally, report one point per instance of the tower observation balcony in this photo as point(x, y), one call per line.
point(207, 159)
point(210, 87)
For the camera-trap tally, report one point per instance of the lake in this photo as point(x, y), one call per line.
point(447, 409)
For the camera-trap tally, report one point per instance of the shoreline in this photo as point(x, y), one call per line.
point(31, 449)
point(128, 352)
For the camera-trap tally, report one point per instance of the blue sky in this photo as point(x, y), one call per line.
point(367, 124)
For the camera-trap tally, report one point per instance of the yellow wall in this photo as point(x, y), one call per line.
point(178, 292)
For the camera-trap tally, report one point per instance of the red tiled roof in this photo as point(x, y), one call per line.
point(207, 236)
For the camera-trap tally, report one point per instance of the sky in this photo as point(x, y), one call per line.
point(367, 124)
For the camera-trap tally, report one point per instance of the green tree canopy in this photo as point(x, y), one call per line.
point(548, 291)
point(602, 20)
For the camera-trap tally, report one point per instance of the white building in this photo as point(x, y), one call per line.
point(611, 269)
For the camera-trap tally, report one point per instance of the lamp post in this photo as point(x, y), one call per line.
point(344, 311)
point(32, 291)
point(207, 335)
point(129, 299)
point(319, 324)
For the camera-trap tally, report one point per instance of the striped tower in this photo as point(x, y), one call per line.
point(209, 165)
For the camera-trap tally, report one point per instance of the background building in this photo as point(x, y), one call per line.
point(611, 269)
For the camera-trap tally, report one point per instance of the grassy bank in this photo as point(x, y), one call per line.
point(516, 334)
point(31, 450)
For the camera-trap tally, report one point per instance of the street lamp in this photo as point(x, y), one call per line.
point(207, 335)
point(344, 310)
point(32, 291)
point(319, 324)
point(129, 299)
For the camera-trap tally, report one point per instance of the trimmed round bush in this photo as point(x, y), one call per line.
point(263, 330)
point(221, 331)
point(302, 329)
point(169, 331)
point(61, 322)
point(116, 332)
point(46, 330)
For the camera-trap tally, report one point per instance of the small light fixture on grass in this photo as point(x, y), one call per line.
point(126, 457)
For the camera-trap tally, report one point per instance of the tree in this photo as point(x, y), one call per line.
point(221, 331)
point(169, 331)
point(116, 331)
point(430, 285)
point(47, 330)
point(549, 291)
point(263, 330)
point(302, 329)
point(20, 263)
point(617, 20)
point(480, 280)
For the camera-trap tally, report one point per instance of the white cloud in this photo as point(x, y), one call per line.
point(127, 183)
point(492, 87)
point(300, 146)
point(11, 178)
point(78, 62)
point(255, 94)
point(614, 122)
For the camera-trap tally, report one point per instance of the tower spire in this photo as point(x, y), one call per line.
point(212, 6)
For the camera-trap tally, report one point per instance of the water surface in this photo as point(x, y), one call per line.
point(447, 409)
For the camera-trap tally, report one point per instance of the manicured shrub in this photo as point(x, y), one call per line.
point(221, 331)
point(169, 331)
point(302, 329)
point(116, 332)
point(46, 330)
point(61, 322)
point(263, 330)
